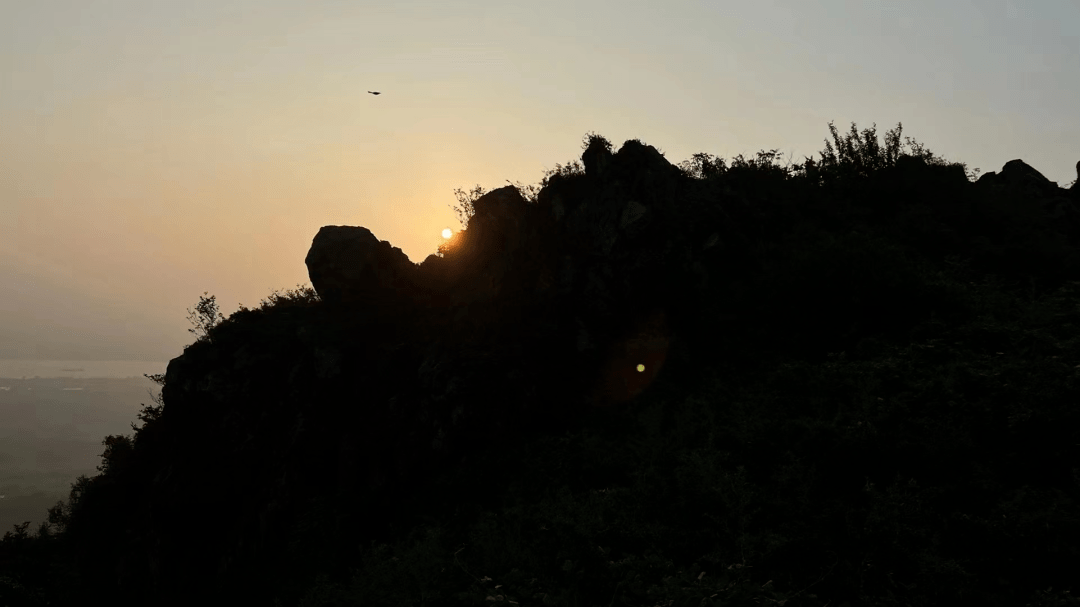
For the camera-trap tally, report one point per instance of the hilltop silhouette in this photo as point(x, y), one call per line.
point(847, 381)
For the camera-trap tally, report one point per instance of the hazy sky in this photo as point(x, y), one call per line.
point(152, 150)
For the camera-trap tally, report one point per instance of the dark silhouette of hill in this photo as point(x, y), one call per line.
point(850, 381)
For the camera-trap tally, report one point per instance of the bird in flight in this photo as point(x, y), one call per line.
point(374, 92)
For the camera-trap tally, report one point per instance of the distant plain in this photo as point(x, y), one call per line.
point(52, 428)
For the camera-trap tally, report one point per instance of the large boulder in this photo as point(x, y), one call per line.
point(1060, 207)
point(347, 264)
point(1017, 174)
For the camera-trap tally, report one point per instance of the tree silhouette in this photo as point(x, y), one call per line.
point(208, 316)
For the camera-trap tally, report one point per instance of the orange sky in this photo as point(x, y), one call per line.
point(154, 151)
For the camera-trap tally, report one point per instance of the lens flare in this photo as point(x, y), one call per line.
point(634, 361)
point(447, 233)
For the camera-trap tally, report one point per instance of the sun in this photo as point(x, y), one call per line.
point(447, 233)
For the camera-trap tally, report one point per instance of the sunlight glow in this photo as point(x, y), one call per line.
point(447, 233)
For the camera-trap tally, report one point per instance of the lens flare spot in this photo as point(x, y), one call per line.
point(447, 233)
point(634, 361)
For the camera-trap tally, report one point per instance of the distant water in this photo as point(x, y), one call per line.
point(81, 369)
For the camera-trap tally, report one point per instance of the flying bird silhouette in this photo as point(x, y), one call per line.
point(374, 92)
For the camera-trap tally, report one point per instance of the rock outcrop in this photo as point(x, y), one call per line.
point(1018, 179)
point(347, 264)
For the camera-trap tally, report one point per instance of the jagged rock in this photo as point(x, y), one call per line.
point(1017, 174)
point(435, 274)
point(493, 239)
point(1060, 207)
point(347, 264)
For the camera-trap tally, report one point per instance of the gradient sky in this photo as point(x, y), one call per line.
point(153, 150)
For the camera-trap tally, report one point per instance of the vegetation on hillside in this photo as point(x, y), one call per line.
point(891, 421)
